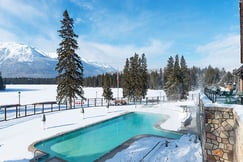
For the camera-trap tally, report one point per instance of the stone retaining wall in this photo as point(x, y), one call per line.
point(221, 134)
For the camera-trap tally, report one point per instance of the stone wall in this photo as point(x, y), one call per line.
point(221, 134)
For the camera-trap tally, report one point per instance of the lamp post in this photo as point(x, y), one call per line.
point(19, 102)
point(19, 97)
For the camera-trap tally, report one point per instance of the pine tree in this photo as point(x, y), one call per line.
point(135, 77)
point(185, 80)
point(169, 77)
point(144, 76)
point(193, 77)
point(2, 85)
point(126, 80)
point(107, 92)
point(161, 79)
point(69, 66)
point(212, 76)
point(135, 81)
point(177, 86)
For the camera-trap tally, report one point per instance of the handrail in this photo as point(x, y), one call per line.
point(38, 156)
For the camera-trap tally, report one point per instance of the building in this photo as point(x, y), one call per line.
point(239, 72)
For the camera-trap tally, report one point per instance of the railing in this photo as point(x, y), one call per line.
point(226, 97)
point(8, 112)
point(211, 94)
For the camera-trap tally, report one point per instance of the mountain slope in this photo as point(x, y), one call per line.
point(18, 60)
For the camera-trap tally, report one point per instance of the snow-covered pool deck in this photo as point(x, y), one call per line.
point(18, 134)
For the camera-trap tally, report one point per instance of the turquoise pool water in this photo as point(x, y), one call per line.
point(90, 143)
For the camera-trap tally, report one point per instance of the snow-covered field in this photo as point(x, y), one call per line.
point(16, 135)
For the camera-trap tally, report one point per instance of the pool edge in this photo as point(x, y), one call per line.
point(125, 145)
point(33, 149)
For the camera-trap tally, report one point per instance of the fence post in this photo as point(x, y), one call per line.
point(146, 100)
point(88, 102)
point(34, 109)
point(43, 108)
point(25, 110)
point(5, 112)
point(16, 111)
point(51, 107)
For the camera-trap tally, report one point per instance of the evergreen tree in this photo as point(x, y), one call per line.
point(154, 80)
point(176, 78)
point(135, 90)
point(177, 86)
point(107, 92)
point(161, 79)
point(212, 76)
point(184, 78)
point(169, 77)
point(135, 77)
point(126, 79)
point(144, 76)
point(194, 77)
point(2, 85)
point(69, 66)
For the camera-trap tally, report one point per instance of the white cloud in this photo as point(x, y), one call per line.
point(223, 52)
point(20, 9)
point(19, 20)
point(7, 36)
point(85, 4)
point(116, 55)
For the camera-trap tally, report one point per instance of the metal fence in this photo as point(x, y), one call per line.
point(8, 112)
point(226, 97)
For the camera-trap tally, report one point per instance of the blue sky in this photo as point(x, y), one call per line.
point(205, 32)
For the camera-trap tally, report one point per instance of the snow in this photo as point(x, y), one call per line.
point(237, 108)
point(20, 52)
point(162, 150)
point(18, 134)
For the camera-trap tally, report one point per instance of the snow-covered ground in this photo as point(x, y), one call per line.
point(16, 135)
point(237, 108)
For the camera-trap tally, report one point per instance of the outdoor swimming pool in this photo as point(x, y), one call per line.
point(90, 143)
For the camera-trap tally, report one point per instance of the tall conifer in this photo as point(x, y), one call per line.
point(126, 79)
point(144, 76)
point(185, 80)
point(69, 66)
point(107, 92)
point(2, 85)
point(169, 77)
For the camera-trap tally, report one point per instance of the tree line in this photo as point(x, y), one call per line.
point(176, 78)
point(162, 78)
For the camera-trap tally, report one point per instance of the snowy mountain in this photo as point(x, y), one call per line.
point(19, 60)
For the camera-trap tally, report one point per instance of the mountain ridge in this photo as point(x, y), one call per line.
point(20, 60)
